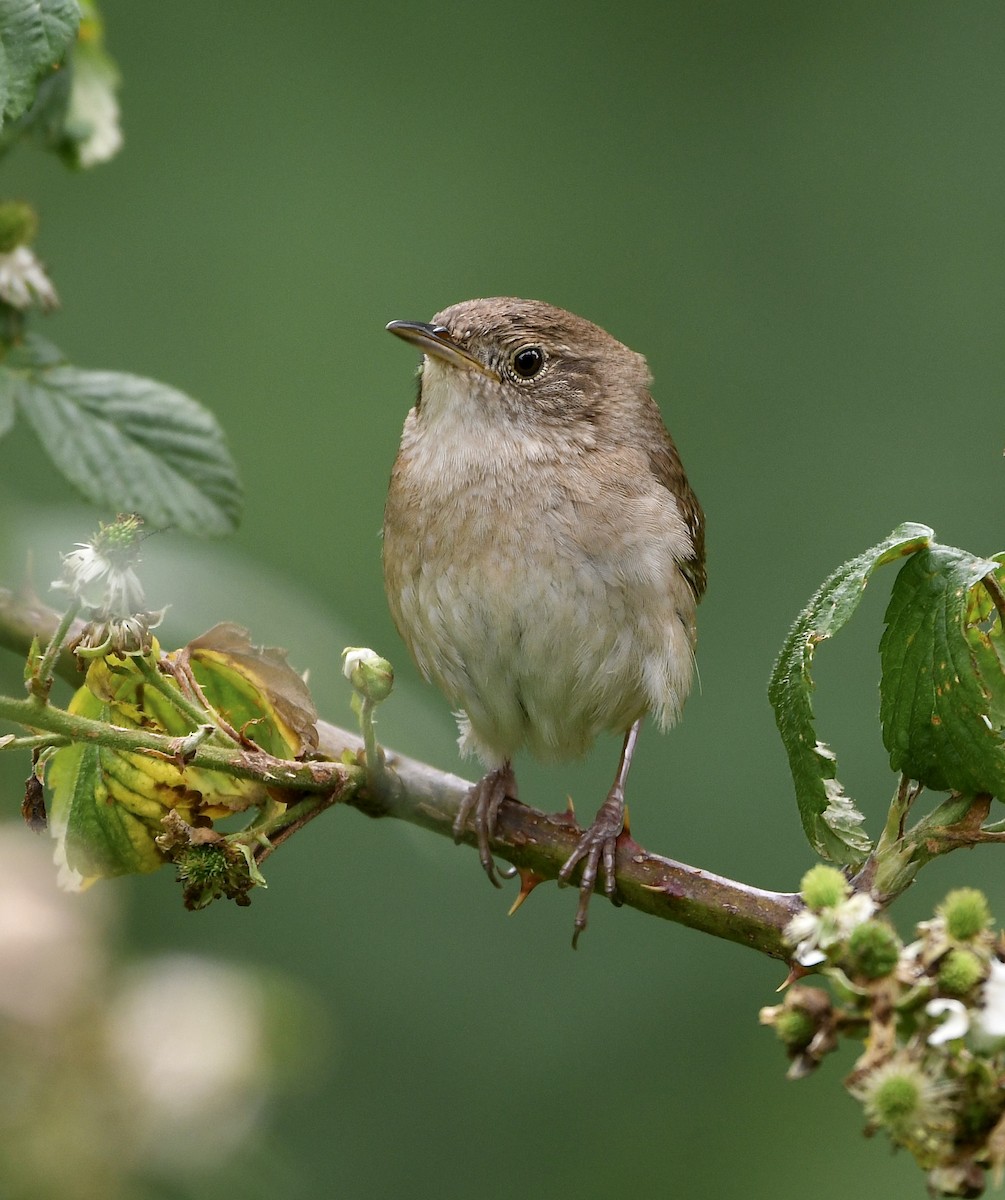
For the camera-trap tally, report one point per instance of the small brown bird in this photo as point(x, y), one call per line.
point(543, 550)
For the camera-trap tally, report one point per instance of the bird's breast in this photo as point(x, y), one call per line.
point(545, 604)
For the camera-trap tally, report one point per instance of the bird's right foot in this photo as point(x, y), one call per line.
point(485, 800)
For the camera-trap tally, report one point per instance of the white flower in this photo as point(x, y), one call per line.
point(813, 933)
point(956, 1025)
point(188, 1037)
point(989, 1019)
point(23, 282)
point(103, 578)
point(94, 110)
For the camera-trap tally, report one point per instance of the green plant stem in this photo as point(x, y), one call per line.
point(997, 594)
point(312, 776)
point(40, 741)
point(40, 683)
point(370, 749)
point(267, 836)
point(196, 716)
point(955, 823)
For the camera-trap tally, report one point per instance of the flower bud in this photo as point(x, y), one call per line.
point(895, 1100)
point(795, 1028)
point(966, 913)
point(873, 950)
point(960, 971)
point(371, 675)
point(18, 225)
point(823, 887)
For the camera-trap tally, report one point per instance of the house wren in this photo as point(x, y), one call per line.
point(543, 550)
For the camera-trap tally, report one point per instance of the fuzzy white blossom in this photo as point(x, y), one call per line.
point(813, 933)
point(23, 281)
point(102, 580)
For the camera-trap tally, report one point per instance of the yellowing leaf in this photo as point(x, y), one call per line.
point(108, 805)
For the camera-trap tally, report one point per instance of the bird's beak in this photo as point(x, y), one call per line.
point(436, 340)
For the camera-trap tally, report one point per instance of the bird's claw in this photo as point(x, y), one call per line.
point(485, 800)
point(597, 847)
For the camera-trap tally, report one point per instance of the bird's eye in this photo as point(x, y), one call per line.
point(527, 362)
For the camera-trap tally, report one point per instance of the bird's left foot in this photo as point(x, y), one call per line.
point(596, 847)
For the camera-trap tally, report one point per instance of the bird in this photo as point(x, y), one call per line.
point(543, 552)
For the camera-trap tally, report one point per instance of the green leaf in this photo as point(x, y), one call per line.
point(942, 695)
point(34, 37)
point(128, 443)
point(94, 839)
point(96, 836)
point(830, 819)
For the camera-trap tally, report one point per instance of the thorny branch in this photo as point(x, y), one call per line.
point(535, 842)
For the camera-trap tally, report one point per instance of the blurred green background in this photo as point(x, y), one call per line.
point(796, 212)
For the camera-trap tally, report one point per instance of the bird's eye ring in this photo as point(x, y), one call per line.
point(527, 362)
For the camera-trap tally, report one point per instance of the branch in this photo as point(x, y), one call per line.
point(538, 843)
point(22, 616)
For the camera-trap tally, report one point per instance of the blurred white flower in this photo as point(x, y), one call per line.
point(94, 110)
point(101, 580)
point(956, 1024)
point(50, 944)
point(989, 1019)
point(813, 933)
point(110, 1077)
point(188, 1037)
point(23, 281)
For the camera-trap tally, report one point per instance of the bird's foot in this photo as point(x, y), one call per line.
point(484, 800)
point(596, 848)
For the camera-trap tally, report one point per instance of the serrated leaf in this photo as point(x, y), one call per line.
point(34, 37)
point(942, 695)
point(130, 444)
point(831, 821)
